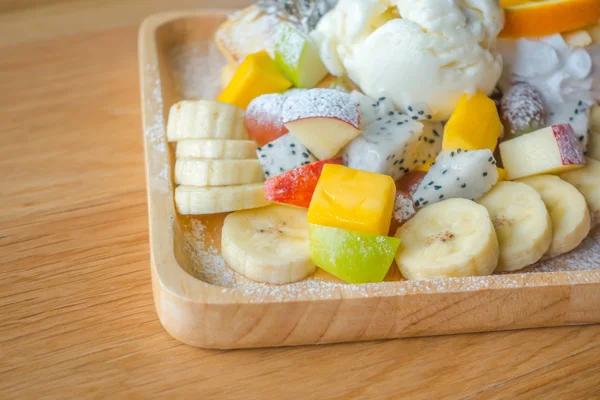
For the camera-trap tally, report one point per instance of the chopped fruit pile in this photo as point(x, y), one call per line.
point(319, 174)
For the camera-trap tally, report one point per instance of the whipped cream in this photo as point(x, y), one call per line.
point(560, 72)
point(423, 54)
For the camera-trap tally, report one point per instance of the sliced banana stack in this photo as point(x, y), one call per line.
point(216, 164)
point(451, 238)
point(198, 172)
point(205, 119)
point(215, 149)
point(587, 181)
point(568, 212)
point(269, 244)
point(211, 200)
point(522, 224)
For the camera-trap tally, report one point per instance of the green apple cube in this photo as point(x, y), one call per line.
point(298, 57)
point(355, 257)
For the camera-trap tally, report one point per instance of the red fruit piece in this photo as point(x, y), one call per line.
point(263, 118)
point(296, 187)
point(404, 209)
point(410, 182)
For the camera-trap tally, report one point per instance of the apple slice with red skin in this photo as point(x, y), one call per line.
point(263, 118)
point(296, 187)
point(410, 181)
point(551, 150)
point(324, 120)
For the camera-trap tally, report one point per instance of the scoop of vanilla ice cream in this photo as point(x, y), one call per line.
point(426, 57)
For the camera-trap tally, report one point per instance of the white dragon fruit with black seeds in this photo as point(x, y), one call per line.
point(577, 114)
point(457, 174)
point(371, 109)
point(386, 145)
point(419, 112)
point(283, 154)
point(430, 144)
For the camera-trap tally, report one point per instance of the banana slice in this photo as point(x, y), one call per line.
point(192, 200)
point(587, 181)
point(215, 149)
point(522, 224)
point(195, 172)
point(205, 119)
point(451, 238)
point(269, 244)
point(568, 212)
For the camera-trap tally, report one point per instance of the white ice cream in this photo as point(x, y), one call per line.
point(436, 51)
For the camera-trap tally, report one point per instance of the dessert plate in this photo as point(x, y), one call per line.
point(203, 303)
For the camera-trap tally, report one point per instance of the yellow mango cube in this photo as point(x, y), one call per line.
point(425, 167)
point(501, 174)
point(355, 200)
point(257, 75)
point(474, 124)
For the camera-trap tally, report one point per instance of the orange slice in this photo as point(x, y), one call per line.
point(546, 17)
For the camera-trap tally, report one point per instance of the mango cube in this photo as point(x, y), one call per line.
point(354, 200)
point(501, 174)
point(474, 124)
point(257, 75)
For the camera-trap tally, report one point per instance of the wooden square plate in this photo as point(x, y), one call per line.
point(203, 303)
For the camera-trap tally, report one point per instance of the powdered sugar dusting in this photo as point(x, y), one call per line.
point(265, 111)
point(155, 131)
point(196, 69)
point(211, 268)
point(290, 48)
point(252, 32)
point(584, 257)
point(326, 103)
point(404, 208)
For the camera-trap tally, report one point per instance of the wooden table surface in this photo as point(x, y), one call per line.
point(77, 318)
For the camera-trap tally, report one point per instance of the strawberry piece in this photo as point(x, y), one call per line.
point(404, 209)
point(410, 182)
point(296, 187)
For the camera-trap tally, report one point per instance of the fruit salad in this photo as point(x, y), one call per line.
point(445, 139)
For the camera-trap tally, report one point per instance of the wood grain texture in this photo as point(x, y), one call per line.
point(54, 18)
point(77, 318)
